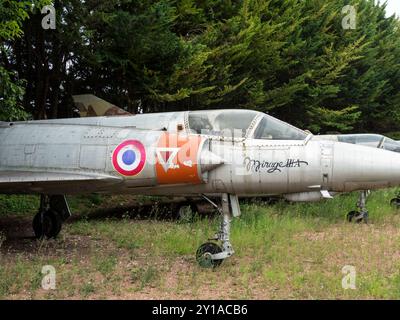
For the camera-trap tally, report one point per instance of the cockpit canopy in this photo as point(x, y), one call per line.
point(221, 122)
point(372, 140)
point(271, 128)
point(239, 124)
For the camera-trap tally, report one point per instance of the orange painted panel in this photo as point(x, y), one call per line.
point(177, 156)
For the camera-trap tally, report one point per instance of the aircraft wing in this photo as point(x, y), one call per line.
point(50, 182)
point(89, 105)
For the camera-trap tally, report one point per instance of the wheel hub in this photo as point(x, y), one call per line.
point(204, 255)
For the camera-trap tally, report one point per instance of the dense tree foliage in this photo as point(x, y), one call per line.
point(290, 58)
point(12, 87)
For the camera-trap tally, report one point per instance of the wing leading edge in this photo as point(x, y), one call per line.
point(54, 182)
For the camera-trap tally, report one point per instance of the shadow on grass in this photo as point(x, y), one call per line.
point(157, 209)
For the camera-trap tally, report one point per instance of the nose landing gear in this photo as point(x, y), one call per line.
point(360, 215)
point(211, 254)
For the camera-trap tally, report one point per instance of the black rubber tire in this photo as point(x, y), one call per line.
point(206, 249)
point(184, 213)
point(50, 227)
point(395, 202)
point(351, 215)
point(187, 213)
point(36, 225)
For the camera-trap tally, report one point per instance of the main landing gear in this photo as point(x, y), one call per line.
point(52, 213)
point(395, 202)
point(212, 253)
point(360, 215)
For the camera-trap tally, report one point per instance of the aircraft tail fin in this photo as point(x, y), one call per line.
point(89, 105)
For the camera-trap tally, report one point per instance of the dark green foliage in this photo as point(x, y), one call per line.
point(12, 88)
point(11, 93)
point(290, 58)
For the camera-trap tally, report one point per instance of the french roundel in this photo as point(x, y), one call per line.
point(129, 157)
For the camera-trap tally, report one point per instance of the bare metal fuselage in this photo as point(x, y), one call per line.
point(71, 156)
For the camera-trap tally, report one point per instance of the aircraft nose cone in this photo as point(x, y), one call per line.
point(358, 167)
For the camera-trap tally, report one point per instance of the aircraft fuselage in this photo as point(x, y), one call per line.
point(112, 155)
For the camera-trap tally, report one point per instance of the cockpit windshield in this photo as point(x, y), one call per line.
point(236, 123)
point(271, 128)
point(226, 123)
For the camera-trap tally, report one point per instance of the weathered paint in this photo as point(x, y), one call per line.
point(178, 159)
point(75, 156)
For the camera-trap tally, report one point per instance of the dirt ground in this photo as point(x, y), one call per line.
point(278, 255)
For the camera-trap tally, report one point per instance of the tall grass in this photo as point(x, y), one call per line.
point(18, 205)
point(282, 250)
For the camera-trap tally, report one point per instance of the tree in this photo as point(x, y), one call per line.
point(291, 58)
point(12, 15)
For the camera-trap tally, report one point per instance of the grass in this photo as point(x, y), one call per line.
point(144, 276)
point(18, 205)
point(283, 251)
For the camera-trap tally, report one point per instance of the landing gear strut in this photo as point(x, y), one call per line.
point(360, 215)
point(52, 213)
point(212, 253)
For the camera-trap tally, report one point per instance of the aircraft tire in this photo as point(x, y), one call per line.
point(204, 252)
point(50, 227)
point(355, 216)
point(395, 202)
point(351, 215)
point(187, 212)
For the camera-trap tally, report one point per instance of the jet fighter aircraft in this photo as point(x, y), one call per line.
point(224, 153)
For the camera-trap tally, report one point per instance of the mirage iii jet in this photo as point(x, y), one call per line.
point(214, 153)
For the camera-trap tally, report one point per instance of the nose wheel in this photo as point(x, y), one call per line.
point(205, 253)
point(211, 254)
point(357, 216)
